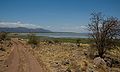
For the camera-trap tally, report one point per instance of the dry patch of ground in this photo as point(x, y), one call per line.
point(63, 57)
point(67, 57)
point(21, 60)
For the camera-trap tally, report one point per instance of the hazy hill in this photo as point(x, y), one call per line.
point(22, 29)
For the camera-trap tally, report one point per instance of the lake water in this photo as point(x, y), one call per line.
point(64, 35)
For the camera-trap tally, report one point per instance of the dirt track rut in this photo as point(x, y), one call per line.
point(20, 60)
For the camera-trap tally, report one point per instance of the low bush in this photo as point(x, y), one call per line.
point(32, 39)
point(3, 36)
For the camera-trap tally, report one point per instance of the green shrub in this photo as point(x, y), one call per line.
point(32, 39)
point(3, 36)
point(78, 42)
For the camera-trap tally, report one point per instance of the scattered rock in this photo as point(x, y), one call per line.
point(2, 49)
point(112, 62)
point(108, 61)
point(98, 61)
point(85, 53)
point(50, 42)
point(33, 46)
point(78, 45)
point(55, 64)
point(65, 63)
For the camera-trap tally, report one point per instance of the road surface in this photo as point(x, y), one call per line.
point(20, 60)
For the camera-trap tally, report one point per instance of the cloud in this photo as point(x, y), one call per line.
point(64, 28)
point(78, 29)
point(18, 24)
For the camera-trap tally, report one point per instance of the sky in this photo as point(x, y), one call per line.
point(54, 15)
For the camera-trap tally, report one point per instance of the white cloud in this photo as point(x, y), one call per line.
point(75, 29)
point(18, 24)
point(48, 26)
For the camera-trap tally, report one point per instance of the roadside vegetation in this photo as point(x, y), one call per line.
point(3, 36)
point(5, 49)
point(33, 40)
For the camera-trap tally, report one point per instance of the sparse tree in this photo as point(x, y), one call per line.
point(104, 31)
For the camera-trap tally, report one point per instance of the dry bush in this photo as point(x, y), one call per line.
point(104, 31)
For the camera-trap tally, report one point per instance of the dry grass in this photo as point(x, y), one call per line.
point(4, 55)
point(60, 58)
point(67, 57)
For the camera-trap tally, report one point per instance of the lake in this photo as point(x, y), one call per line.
point(62, 35)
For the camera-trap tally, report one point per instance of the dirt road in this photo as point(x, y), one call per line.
point(20, 60)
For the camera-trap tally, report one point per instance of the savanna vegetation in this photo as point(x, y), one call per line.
point(99, 53)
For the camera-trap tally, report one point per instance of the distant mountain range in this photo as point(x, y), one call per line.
point(22, 29)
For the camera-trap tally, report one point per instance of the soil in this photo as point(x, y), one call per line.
point(21, 60)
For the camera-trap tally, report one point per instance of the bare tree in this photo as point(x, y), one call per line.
point(104, 31)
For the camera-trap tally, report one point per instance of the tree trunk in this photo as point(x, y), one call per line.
point(101, 52)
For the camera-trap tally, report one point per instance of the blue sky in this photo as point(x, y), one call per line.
point(55, 15)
